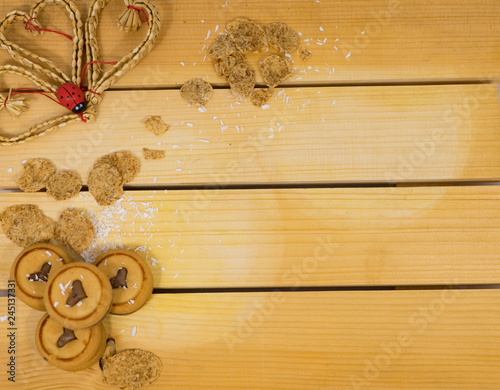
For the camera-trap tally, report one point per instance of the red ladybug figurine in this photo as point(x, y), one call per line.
point(71, 97)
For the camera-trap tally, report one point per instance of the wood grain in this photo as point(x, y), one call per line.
point(307, 135)
point(298, 238)
point(387, 41)
point(418, 340)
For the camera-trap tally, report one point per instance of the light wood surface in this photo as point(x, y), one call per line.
point(441, 339)
point(335, 121)
point(298, 238)
point(406, 40)
point(307, 135)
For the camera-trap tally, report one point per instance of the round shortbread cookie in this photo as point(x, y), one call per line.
point(78, 296)
point(67, 349)
point(130, 277)
point(31, 270)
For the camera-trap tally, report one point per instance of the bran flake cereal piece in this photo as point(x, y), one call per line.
point(304, 53)
point(127, 164)
point(35, 175)
point(151, 154)
point(281, 37)
point(275, 69)
point(197, 91)
point(156, 125)
point(260, 96)
point(131, 369)
point(247, 35)
point(105, 183)
point(224, 65)
point(222, 46)
point(74, 230)
point(64, 185)
point(26, 225)
point(242, 80)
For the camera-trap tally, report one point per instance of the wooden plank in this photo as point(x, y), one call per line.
point(389, 40)
point(437, 339)
point(298, 238)
point(307, 135)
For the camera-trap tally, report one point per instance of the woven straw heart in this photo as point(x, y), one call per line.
point(84, 38)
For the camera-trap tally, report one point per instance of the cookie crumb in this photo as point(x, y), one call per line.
point(131, 369)
point(156, 125)
point(225, 65)
point(260, 96)
point(222, 46)
point(105, 183)
point(36, 174)
point(275, 69)
point(247, 35)
point(304, 53)
point(242, 80)
point(196, 91)
point(151, 154)
point(74, 230)
point(281, 37)
point(127, 164)
point(26, 224)
point(64, 185)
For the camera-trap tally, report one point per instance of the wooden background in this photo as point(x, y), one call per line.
point(345, 237)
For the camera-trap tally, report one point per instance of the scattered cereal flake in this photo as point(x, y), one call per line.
point(197, 91)
point(131, 369)
point(281, 37)
point(275, 69)
point(260, 96)
point(242, 80)
point(105, 183)
point(304, 53)
point(152, 154)
point(224, 65)
point(156, 125)
point(247, 35)
point(36, 174)
point(222, 46)
point(64, 185)
point(26, 225)
point(127, 164)
point(74, 230)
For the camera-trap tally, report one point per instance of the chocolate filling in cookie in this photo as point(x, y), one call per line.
point(42, 275)
point(67, 336)
point(120, 280)
point(77, 294)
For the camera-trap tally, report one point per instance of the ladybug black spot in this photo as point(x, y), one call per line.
point(67, 105)
point(73, 93)
point(73, 87)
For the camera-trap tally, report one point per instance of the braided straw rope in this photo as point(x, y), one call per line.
point(84, 38)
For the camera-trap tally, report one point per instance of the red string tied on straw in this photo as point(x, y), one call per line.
point(31, 27)
point(140, 10)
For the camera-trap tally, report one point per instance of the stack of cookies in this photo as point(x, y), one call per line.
point(77, 296)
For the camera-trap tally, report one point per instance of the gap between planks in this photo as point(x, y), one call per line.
point(284, 186)
point(339, 84)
